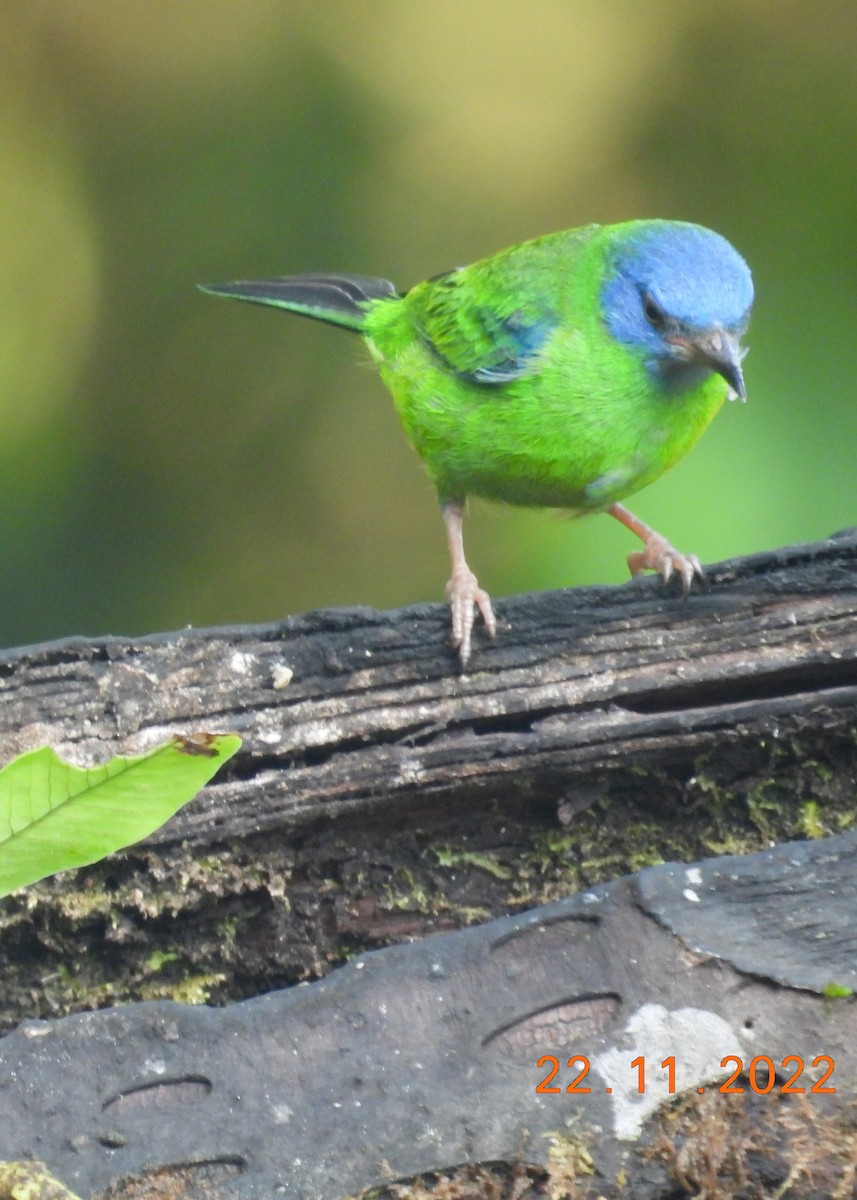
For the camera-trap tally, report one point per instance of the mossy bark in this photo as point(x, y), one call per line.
point(381, 795)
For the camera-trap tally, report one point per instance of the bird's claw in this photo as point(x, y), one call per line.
point(658, 555)
point(465, 596)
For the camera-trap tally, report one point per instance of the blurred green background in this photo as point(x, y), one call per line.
point(171, 459)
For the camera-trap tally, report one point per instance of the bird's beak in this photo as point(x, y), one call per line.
point(721, 351)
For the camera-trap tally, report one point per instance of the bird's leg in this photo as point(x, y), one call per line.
point(463, 591)
point(657, 553)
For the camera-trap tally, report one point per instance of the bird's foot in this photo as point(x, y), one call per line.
point(465, 596)
point(658, 555)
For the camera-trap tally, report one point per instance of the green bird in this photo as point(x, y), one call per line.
point(566, 372)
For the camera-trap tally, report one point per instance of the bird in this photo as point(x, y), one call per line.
point(565, 372)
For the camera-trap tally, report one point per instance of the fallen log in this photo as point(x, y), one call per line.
point(382, 795)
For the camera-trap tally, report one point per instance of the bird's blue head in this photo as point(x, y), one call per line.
point(681, 295)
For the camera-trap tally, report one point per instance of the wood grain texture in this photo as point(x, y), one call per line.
point(375, 712)
point(381, 796)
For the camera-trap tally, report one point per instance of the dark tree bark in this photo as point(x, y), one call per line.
point(352, 710)
point(381, 795)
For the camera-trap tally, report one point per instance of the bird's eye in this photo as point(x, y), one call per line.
point(655, 315)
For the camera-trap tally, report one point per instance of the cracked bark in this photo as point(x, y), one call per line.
point(380, 795)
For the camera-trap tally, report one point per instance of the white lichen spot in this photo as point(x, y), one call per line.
point(693, 875)
point(270, 736)
point(410, 772)
point(241, 662)
point(691, 895)
point(697, 1039)
point(282, 1114)
point(282, 675)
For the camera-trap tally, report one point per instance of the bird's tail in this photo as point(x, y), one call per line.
point(338, 299)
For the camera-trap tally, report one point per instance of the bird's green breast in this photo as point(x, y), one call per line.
point(588, 425)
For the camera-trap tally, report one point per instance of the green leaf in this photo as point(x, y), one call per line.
point(54, 816)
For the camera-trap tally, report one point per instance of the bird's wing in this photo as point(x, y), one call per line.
point(489, 322)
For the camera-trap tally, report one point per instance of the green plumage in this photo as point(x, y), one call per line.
point(583, 426)
point(566, 372)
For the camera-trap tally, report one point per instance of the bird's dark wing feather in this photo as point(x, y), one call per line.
point(338, 299)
